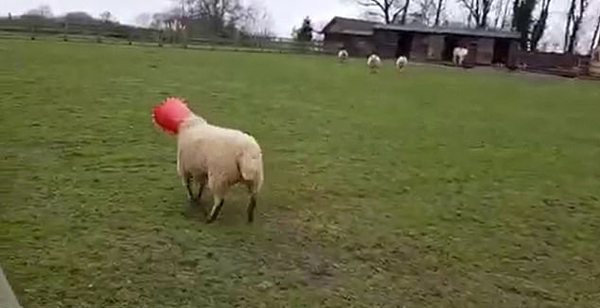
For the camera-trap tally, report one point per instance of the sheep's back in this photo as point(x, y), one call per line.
point(216, 150)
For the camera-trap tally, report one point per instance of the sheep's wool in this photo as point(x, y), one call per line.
point(374, 62)
point(226, 156)
point(343, 55)
point(401, 62)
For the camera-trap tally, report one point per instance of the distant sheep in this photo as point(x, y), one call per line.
point(343, 55)
point(401, 62)
point(374, 63)
point(458, 55)
point(211, 155)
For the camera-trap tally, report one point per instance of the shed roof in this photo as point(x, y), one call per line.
point(446, 30)
point(343, 25)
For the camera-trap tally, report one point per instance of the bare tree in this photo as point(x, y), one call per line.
point(501, 10)
point(507, 7)
point(43, 11)
point(574, 18)
point(438, 11)
point(218, 14)
point(478, 11)
point(256, 21)
point(521, 22)
point(498, 12)
point(540, 24)
point(143, 20)
point(404, 12)
point(425, 13)
point(106, 17)
point(389, 10)
point(595, 36)
point(569, 21)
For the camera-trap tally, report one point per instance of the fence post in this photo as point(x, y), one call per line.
point(7, 296)
point(65, 31)
point(130, 36)
point(98, 34)
point(184, 38)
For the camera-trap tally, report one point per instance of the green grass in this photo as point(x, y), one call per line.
point(435, 187)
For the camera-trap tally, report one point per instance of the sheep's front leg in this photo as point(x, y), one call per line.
point(216, 209)
point(187, 182)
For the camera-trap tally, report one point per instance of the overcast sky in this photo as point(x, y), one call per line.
point(285, 14)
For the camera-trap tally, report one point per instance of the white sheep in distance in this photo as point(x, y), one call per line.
point(211, 155)
point(401, 62)
point(459, 54)
point(343, 55)
point(374, 63)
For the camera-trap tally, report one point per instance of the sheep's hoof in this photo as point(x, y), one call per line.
point(192, 203)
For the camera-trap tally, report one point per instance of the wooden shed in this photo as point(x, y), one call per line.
point(419, 42)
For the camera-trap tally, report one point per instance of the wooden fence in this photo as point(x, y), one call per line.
point(566, 65)
point(119, 34)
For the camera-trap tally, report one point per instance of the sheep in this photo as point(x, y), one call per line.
point(212, 156)
point(342, 55)
point(401, 62)
point(459, 54)
point(374, 63)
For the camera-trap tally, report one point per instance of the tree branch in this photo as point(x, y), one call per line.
point(372, 3)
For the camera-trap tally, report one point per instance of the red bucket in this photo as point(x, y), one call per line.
point(170, 113)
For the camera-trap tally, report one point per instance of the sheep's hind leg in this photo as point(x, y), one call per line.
point(214, 213)
point(251, 207)
point(202, 183)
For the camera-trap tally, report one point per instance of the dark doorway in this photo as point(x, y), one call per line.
point(471, 59)
point(404, 45)
point(501, 51)
point(450, 42)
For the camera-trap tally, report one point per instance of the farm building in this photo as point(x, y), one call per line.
point(419, 42)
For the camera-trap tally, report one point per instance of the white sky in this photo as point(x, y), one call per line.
point(285, 14)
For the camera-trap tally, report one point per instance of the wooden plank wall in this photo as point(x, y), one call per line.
point(435, 47)
point(485, 51)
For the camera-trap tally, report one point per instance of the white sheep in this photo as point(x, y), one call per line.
point(401, 62)
point(342, 55)
point(212, 155)
point(459, 54)
point(374, 63)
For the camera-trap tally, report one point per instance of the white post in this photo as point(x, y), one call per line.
point(7, 297)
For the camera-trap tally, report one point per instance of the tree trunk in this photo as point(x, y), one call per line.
point(503, 23)
point(405, 12)
point(568, 27)
point(540, 25)
point(595, 37)
point(577, 20)
point(438, 12)
point(484, 14)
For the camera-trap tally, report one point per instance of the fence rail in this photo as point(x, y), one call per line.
point(118, 34)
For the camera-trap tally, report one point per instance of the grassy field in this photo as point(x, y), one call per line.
point(435, 187)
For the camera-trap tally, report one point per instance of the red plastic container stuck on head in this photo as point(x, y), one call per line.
point(170, 113)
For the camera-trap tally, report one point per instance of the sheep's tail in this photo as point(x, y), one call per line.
point(250, 166)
